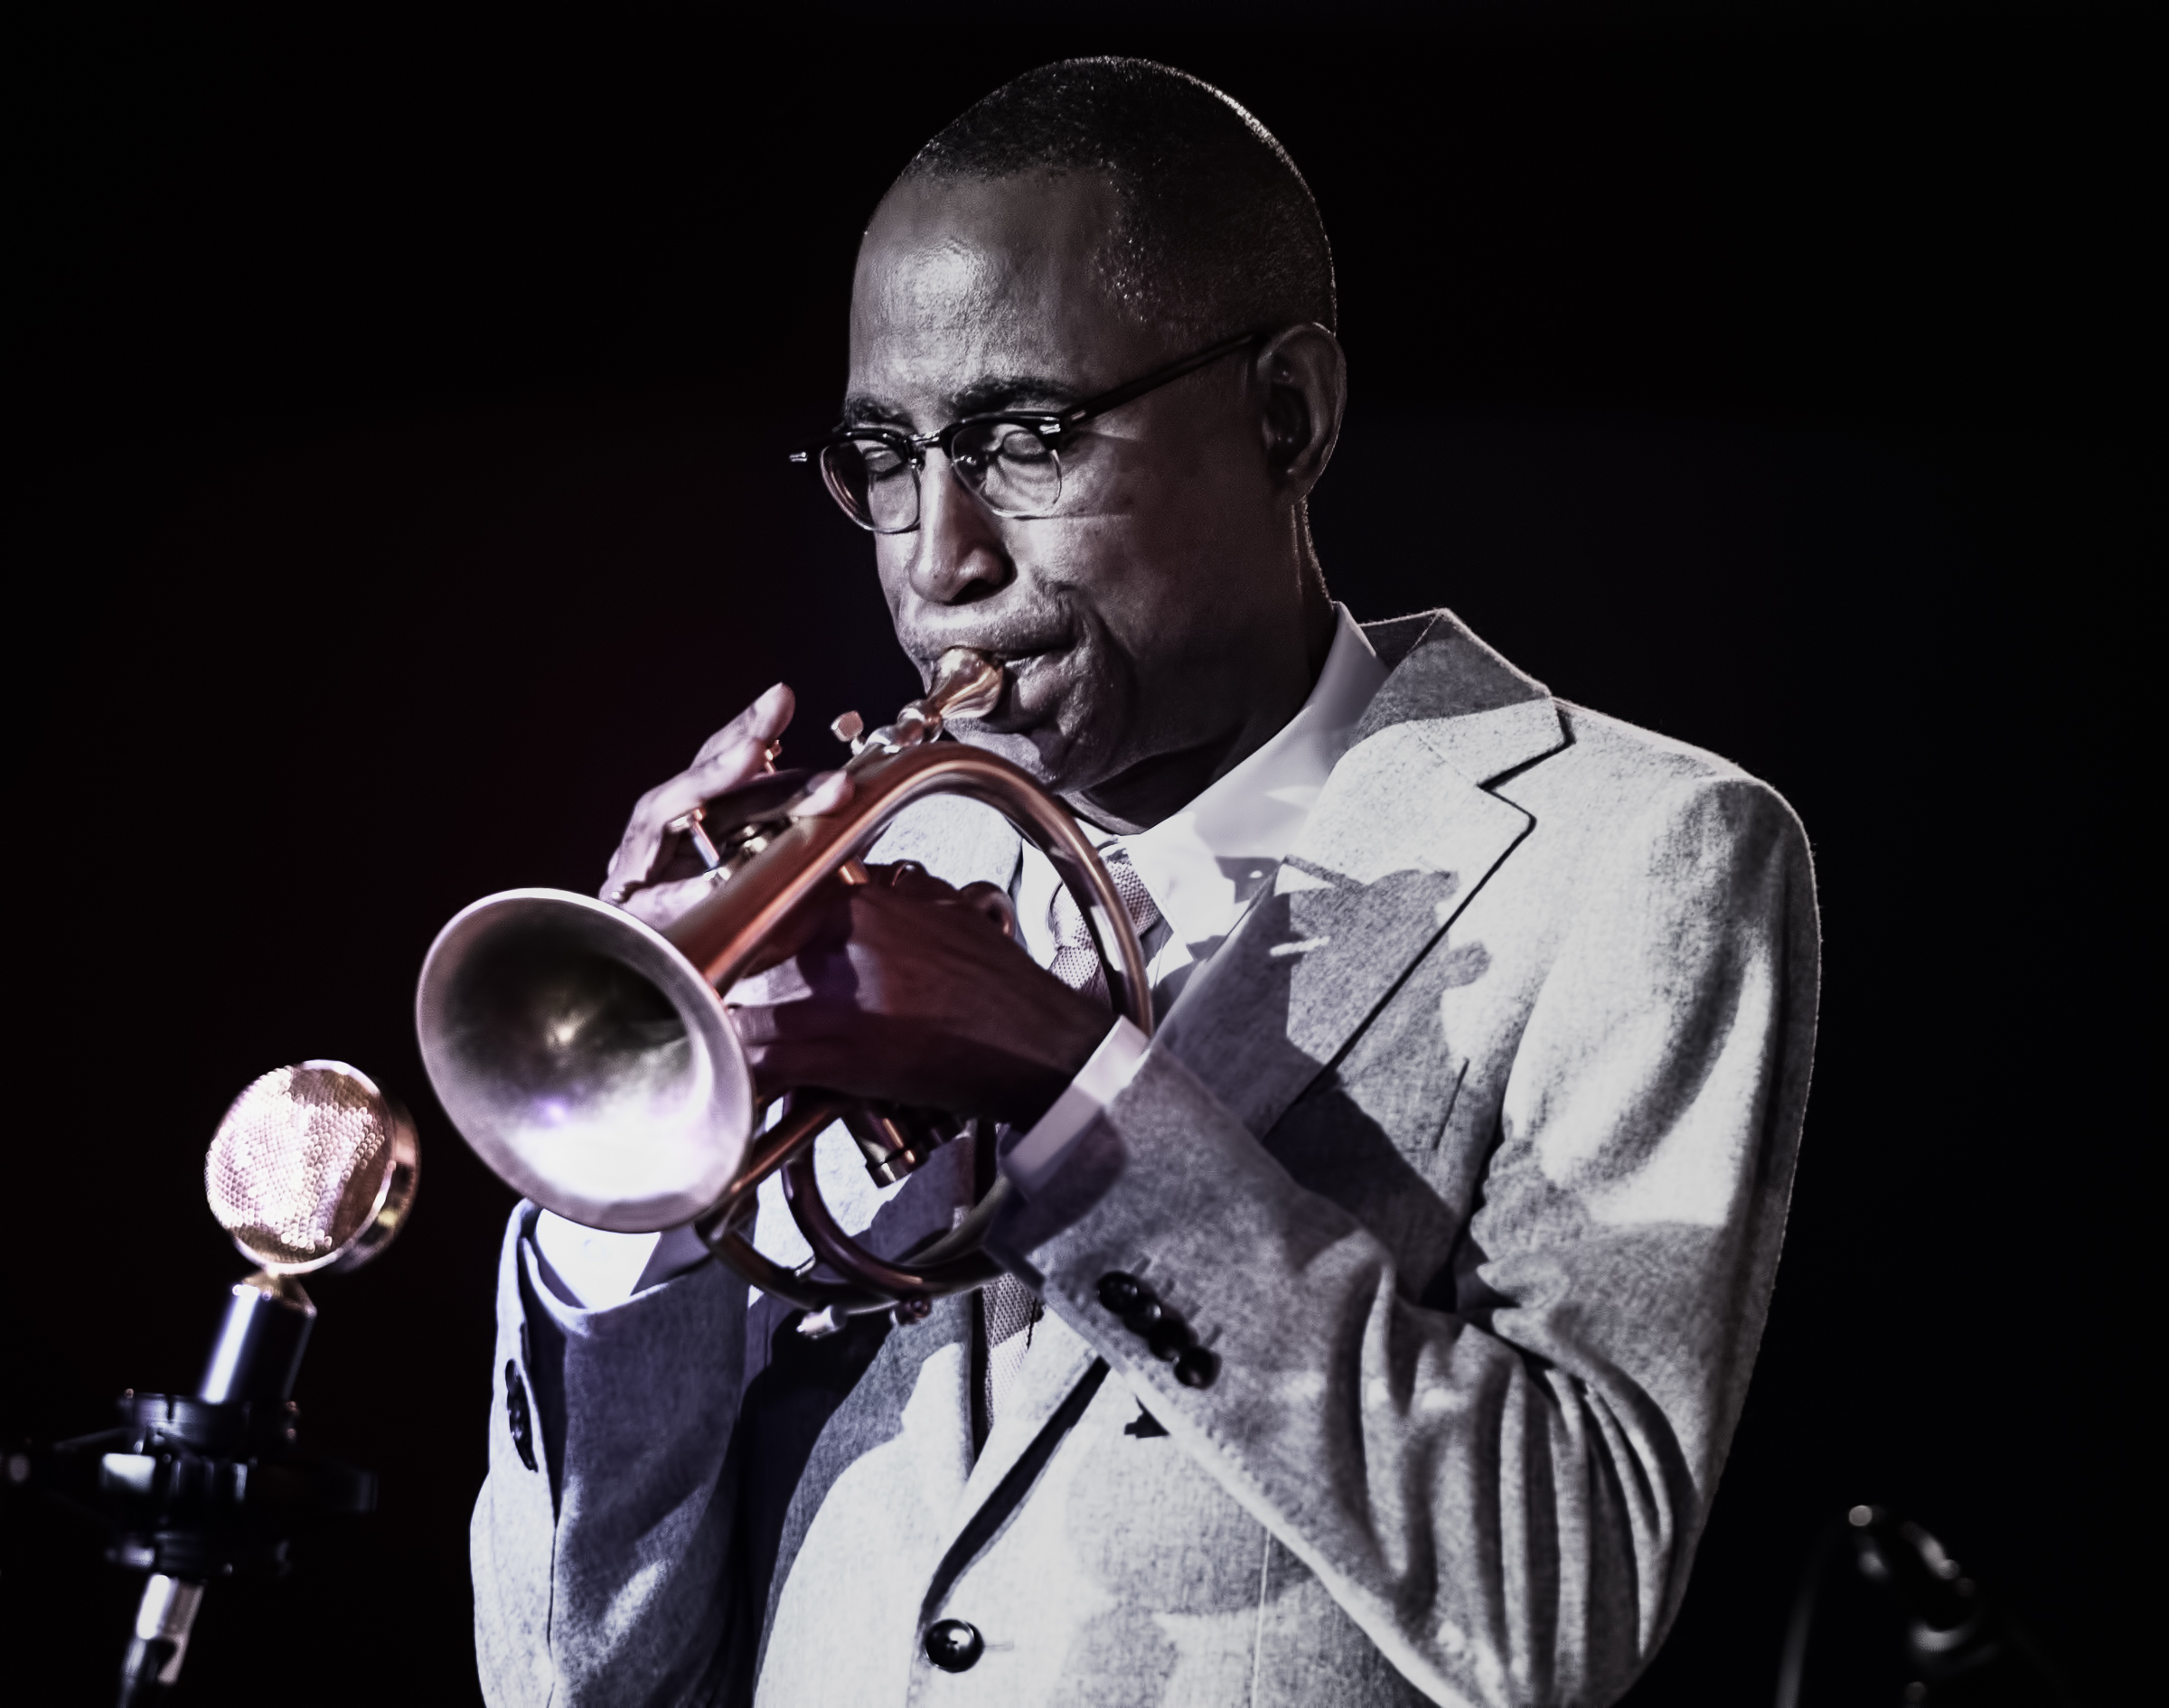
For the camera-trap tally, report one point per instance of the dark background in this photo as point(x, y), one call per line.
point(397, 431)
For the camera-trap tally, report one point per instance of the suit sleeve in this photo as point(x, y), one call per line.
point(1504, 1487)
point(601, 1538)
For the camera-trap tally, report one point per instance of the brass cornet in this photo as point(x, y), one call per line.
point(587, 1058)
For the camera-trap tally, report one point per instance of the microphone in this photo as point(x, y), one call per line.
point(313, 1168)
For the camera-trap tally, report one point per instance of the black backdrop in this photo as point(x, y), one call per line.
point(399, 491)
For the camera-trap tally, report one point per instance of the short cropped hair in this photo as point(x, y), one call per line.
point(1216, 233)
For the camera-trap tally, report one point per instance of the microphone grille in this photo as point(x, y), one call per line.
point(307, 1160)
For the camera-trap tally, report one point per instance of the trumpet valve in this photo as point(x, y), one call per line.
point(849, 729)
point(693, 828)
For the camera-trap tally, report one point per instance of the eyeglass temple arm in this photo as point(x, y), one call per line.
point(1079, 413)
point(1084, 412)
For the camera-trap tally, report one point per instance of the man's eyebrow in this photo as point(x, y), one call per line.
point(861, 410)
point(982, 397)
point(1028, 391)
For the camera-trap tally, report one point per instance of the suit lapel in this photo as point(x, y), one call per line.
point(1038, 1409)
point(1403, 835)
point(1397, 843)
point(1445, 673)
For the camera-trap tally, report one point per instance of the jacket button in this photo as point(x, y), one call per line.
point(1122, 1293)
point(1197, 1368)
point(954, 1645)
point(1170, 1337)
point(517, 1417)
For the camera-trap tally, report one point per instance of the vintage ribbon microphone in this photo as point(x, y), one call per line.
point(313, 1168)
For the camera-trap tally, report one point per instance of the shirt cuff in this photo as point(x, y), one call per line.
point(1035, 1159)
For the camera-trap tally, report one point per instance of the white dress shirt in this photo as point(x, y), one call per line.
point(1203, 867)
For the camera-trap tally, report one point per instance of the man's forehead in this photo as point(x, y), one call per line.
point(986, 293)
point(931, 312)
point(945, 370)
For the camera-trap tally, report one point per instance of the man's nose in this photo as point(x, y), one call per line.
point(957, 553)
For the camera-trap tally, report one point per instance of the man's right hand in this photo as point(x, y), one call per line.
point(588, 1268)
point(744, 748)
point(902, 990)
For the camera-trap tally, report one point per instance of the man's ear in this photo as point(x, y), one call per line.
point(1305, 379)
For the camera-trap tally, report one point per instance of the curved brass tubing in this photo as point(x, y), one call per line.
point(588, 1058)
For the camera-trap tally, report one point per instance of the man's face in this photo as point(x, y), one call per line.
point(1135, 618)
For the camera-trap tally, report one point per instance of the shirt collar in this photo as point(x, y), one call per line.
point(1203, 864)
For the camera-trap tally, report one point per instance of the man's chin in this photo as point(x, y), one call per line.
point(1041, 753)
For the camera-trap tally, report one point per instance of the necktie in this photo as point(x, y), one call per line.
point(1008, 1308)
point(1076, 961)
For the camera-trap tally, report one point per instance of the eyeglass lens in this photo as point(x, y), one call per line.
point(1009, 466)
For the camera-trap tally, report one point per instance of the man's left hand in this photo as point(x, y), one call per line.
point(905, 989)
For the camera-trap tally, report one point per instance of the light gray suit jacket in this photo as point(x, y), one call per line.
point(1469, 1159)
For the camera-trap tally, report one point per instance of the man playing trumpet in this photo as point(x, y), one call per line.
point(1372, 1332)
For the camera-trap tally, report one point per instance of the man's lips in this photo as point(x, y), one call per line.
point(1009, 654)
point(1026, 669)
point(1023, 652)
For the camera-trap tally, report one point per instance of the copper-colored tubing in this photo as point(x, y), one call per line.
point(788, 1285)
point(809, 1116)
point(723, 933)
point(847, 1258)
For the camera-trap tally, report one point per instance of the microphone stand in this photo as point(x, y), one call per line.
point(197, 1486)
point(313, 1167)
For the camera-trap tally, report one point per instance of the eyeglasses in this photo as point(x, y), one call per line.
point(1012, 460)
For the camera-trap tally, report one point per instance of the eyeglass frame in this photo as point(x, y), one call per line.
point(1053, 426)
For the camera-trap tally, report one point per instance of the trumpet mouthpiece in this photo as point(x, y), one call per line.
point(967, 684)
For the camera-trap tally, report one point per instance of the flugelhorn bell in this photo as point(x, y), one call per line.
point(587, 1058)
